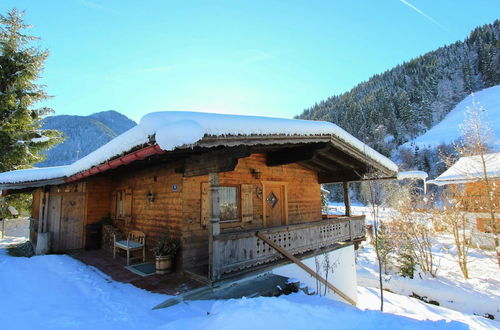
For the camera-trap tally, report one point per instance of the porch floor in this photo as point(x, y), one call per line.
point(171, 284)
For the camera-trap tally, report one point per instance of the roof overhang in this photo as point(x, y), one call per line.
point(30, 185)
point(332, 158)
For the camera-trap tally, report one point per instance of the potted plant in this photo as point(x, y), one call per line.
point(165, 249)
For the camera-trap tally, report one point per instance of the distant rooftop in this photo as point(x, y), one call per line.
point(470, 169)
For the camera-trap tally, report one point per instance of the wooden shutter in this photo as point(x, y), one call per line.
point(128, 206)
point(247, 202)
point(205, 204)
point(114, 205)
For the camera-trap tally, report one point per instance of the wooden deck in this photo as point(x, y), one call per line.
point(234, 252)
point(171, 284)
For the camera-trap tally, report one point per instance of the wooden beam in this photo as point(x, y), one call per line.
point(224, 160)
point(339, 176)
point(305, 267)
point(46, 196)
point(313, 166)
point(290, 155)
point(329, 165)
point(214, 258)
point(339, 157)
point(347, 199)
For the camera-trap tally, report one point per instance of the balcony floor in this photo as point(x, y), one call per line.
point(171, 284)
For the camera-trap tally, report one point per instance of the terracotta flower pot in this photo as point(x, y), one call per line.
point(163, 264)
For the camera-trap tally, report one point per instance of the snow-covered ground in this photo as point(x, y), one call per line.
point(416, 309)
point(56, 291)
point(464, 299)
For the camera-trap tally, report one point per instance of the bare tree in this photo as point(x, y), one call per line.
point(375, 198)
point(452, 218)
point(478, 139)
point(413, 231)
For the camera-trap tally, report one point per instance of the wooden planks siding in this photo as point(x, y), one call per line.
point(475, 197)
point(98, 199)
point(304, 203)
point(154, 218)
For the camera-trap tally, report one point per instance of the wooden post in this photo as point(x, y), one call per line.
point(43, 210)
point(214, 228)
point(347, 200)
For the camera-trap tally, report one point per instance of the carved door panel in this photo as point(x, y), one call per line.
point(71, 230)
point(54, 220)
point(275, 208)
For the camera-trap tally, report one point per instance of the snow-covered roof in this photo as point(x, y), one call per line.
point(34, 174)
point(413, 175)
point(179, 130)
point(468, 169)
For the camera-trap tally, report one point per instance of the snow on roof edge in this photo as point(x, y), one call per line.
point(415, 175)
point(34, 174)
point(469, 169)
point(173, 129)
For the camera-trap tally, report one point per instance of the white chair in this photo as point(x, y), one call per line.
point(136, 240)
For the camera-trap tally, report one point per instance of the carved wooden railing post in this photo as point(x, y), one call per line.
point(347, 199)
point(242, 250)
point(214, 253)
point(351, 229)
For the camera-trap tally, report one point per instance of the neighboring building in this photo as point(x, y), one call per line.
point(164, 175)
point(467, 180)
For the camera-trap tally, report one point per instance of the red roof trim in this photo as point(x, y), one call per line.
point(123, 160)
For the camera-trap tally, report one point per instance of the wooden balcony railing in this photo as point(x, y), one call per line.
point(236, 251)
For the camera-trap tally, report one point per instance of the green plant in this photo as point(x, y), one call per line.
point(406, 260)
point(166, 246)
point(385, 245)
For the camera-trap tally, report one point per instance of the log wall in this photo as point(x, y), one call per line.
point(153, 218)
point(304, 203)
point(476, 199)
point(98, 199)
point(178, 202)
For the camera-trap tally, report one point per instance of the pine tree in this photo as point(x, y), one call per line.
point(412, 97)
point(21, 138)
point(384, 245)
point(406, 259)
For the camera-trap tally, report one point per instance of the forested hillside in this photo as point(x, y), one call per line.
point(396, 106)
point(83, 134)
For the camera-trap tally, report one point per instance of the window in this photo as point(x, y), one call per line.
point(228, 204)
point(123, 204)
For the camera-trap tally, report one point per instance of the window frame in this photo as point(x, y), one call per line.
point(238, 203)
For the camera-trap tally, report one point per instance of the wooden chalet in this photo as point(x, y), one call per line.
point(214, 192)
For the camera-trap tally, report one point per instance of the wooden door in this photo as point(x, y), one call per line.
point(71, 229)
point(275, 204)
point(54, 220)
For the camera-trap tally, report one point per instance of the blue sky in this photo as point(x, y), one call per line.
point(272, 58)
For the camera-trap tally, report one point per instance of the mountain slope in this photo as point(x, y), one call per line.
point(396, 106)
point(448, 130)
point(116, 121)
point(84, 134)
